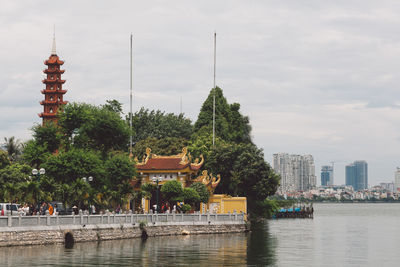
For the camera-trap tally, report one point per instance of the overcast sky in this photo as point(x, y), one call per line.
point(315, 77)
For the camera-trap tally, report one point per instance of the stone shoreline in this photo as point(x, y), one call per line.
point(43, 235)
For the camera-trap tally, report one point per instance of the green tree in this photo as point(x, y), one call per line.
point(119, 171)
point(172, 192)
point(15, 173)
point(35, 154)
point(190, 196)
point(202, 190)
point(67, 166)
point(100, 128)
point(230, 124)
point(48, 136)
point(114, 106)
point(158, 124)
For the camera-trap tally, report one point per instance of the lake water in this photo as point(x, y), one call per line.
point(339, 235)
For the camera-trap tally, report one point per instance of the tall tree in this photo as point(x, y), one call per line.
point(230, 124)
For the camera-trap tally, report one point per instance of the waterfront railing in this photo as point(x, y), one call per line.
point(111, 218)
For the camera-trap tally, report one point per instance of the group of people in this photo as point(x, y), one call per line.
point(39, 209)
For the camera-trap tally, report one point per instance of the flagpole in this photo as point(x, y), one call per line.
point(130, 113)
point(215, 63)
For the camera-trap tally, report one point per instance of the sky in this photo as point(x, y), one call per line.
point(315, 77)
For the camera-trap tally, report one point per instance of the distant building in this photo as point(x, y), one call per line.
point(387, 186)
point(297, 172)
point(397, 179)
point(357, 175)
point(326, 175)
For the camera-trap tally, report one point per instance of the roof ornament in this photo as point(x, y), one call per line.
point(53, 49)
point(145, 158)
point(183, 156)
point(197, 163)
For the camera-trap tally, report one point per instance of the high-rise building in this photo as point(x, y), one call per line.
point(397, 179)
point(357, 175)
point(297, 172)
point(326, 175)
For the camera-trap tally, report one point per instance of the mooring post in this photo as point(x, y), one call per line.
point(19, 218)
point(9, 220)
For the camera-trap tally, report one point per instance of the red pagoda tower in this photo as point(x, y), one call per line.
point(53, 93)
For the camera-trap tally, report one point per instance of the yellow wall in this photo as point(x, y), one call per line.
point(225, 204)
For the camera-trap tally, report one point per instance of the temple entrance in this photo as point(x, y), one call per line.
point(161, 201)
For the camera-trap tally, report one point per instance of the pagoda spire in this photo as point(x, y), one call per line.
point(53, 49)
point(53, 92)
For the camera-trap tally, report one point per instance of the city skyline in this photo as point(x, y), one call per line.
point(315, 78)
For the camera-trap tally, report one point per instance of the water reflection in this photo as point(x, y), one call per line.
point(197, 250)
point(261, 246)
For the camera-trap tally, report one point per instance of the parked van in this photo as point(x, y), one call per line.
point(8, 208)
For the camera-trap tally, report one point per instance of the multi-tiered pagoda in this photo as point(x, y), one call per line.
point(53, 93)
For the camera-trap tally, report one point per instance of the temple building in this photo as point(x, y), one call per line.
point(160, 169)
point(53, 92)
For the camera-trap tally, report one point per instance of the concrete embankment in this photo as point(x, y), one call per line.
point(41, 235)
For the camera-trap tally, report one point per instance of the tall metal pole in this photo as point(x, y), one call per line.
point(215, 63)
point(130, 113)
point(181, 106)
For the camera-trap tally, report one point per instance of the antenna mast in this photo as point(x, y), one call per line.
point(130, 113)
point(215, 63)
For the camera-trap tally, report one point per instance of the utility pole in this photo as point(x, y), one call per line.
point(215, 64)
point(130, 113)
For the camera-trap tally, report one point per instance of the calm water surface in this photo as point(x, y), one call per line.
point(339, 235)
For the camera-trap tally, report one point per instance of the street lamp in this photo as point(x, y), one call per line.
point(155, 180)
point(89, 180)
point(37, 173)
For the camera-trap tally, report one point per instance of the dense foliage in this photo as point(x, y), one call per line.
point(159, 125)
point(88, 141)
point(93, 141)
